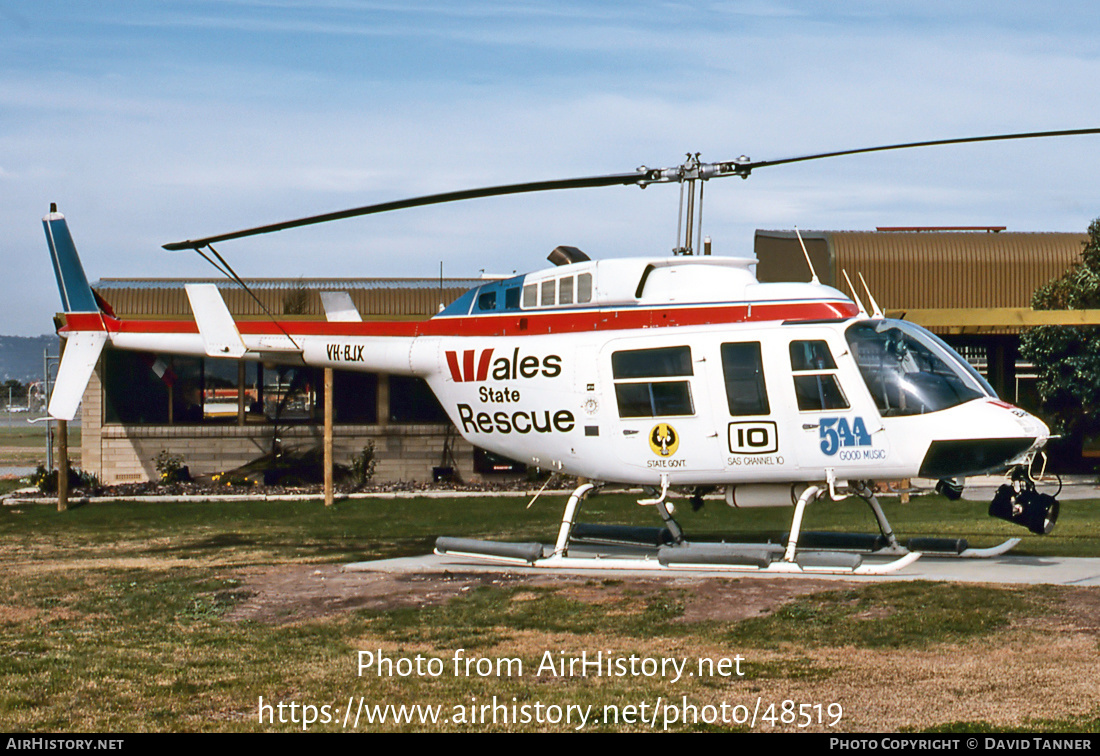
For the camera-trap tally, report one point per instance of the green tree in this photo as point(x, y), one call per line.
point(1067, 358)
point(14, 390)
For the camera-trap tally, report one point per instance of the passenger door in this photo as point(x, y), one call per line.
point(662, 408)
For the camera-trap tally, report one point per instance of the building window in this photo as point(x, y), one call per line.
point(293, 394)
point(136, 387)
point(221, 391)
point(413, 403)
point(141, 388)
point(354, 398)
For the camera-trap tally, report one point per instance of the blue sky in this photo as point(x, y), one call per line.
point(151, 122)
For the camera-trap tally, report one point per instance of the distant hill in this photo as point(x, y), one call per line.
point(21, 356)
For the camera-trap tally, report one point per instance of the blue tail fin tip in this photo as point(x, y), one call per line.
point(76, 294)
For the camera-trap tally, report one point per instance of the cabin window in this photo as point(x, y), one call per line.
point(584, 288)
point(487, 301)
point(811, 355)
point(815, 382)
point(743, 370)
point(909, 371)
point(640, 396)
point(511, 298)
point(548, 292)
point(652, 363)
point(553, 292)
point(654, 399)
point(565, 290)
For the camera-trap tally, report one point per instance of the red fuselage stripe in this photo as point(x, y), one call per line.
point(525, 324)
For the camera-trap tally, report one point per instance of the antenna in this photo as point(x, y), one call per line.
point(810, 265)
point(862, 309)
point(441, 308)
point(876, 312)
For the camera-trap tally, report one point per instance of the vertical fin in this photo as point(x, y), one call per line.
point(82, 347)
point(76, 294)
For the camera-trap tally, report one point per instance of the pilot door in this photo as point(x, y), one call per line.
point(660, 405)
point(835, 425)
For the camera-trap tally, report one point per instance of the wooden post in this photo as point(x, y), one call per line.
point(62, 452)
point(328, 437)
point(62, 465)
point(241, 392)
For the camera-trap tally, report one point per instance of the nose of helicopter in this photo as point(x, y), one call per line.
point(1000, 436)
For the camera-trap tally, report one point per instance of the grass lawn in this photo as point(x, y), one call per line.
point(23, 445)
point(160, 617)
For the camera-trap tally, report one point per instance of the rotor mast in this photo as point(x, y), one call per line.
point(692, 174)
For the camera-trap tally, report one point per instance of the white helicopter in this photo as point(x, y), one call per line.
point(680, 374)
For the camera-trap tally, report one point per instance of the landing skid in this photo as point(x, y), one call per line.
point(687, 557)
point(887, 544)
point(930, 547)
point(581, 547)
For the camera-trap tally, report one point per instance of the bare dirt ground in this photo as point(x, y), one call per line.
point(1041, 670)
point(293, 593)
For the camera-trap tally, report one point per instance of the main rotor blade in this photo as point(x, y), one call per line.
point(690, 170)
point(431, 199)
point(750, 165)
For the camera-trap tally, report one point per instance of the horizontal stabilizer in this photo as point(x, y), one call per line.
point(339, 308)
point(81, 353)
point(219, 333)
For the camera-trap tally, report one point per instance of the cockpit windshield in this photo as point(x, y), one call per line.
point(909, 371)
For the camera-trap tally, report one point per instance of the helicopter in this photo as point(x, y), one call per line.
point(681, 374)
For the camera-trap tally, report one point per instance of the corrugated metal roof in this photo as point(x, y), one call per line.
point(953, 269)
point(373, 297)
point(933, 269)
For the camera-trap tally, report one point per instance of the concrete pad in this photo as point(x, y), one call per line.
point(1001, 570)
